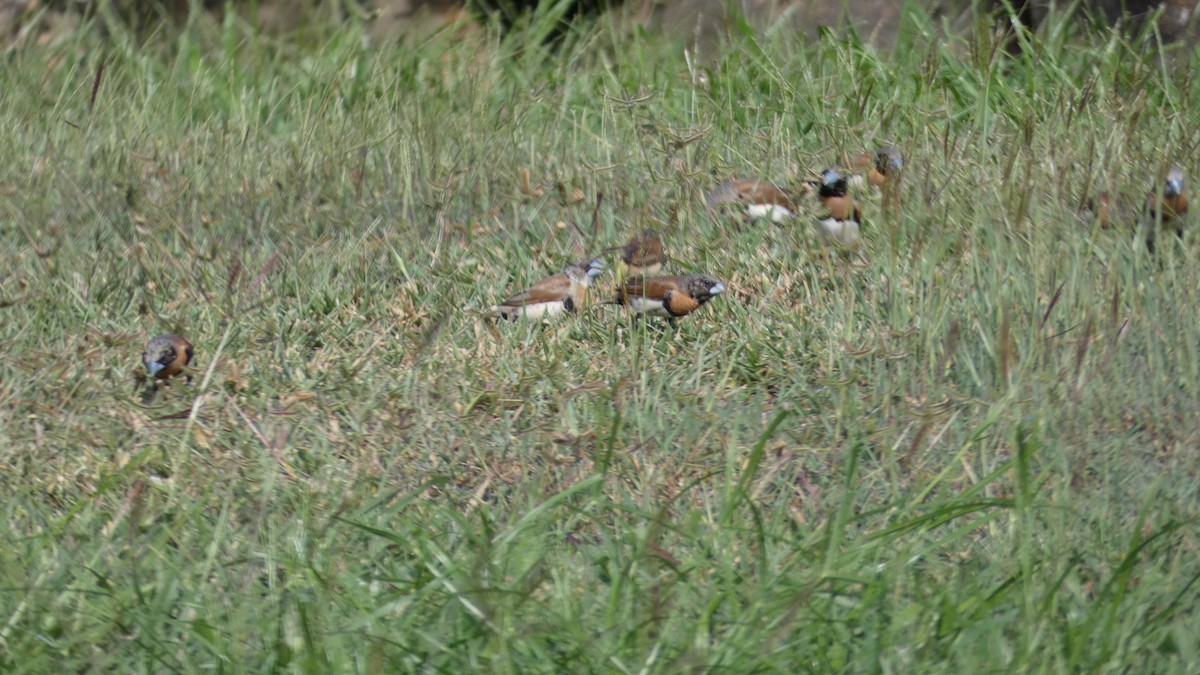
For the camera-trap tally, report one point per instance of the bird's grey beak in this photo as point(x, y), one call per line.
point(154, 367)
point(717, 289)
point(830, 177)
point(896, 162)
point(594, 268)
point(1174, 187)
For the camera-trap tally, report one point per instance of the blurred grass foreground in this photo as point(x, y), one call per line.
point(969, 447)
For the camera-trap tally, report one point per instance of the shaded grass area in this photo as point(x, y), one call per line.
point(969, 450)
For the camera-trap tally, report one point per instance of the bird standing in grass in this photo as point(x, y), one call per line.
point(761, 199)
point(840, 217)
point(1111, 209)
point(883, 172)
point(1098, 211)
point(642, 255)
point(884, 166)
point(167, 355)
point(1166, 210)
point(553, 295)
point(668, 297)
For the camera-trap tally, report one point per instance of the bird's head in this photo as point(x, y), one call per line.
point(833, 182)
point(584, 272)
point(889, 160)
point(703, 287)
point(1174, 182)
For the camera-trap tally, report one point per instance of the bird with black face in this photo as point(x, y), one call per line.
point(840, 217)
point(642, 255)
point(760, 199)
point(667, 296)
point(1167, 209)
point(166, 356)
point(884, 166)
point(552, 296)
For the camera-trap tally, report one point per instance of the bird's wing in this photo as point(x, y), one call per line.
point(756, 192)
point(550, 289)
point(748, 191)
point(655, 288)
point(863, 162)
point(643, 252)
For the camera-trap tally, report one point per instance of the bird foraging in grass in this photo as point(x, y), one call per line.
point(1166, 209)
point(884, 169)
point(760, 199)
point(167, 356)
point(1098, 211)
point(1111, 209)
point(668, 297)
point(840, 217)
point(552, 296)
point(642, 255)
point(883, 166)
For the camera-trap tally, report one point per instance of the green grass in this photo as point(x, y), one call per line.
point(972, 451)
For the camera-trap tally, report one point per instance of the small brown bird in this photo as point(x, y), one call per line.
point(668, 297)
point(1168, 209)
point(1108, 209)
point(1097, 210)
point(1111, 209)
point(761, 199)
point(840, 219)
point(167, 355)
point(643, 255)
point(553, 295)
point(885, 165)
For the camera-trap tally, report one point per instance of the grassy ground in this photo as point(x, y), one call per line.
point(973, 451)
